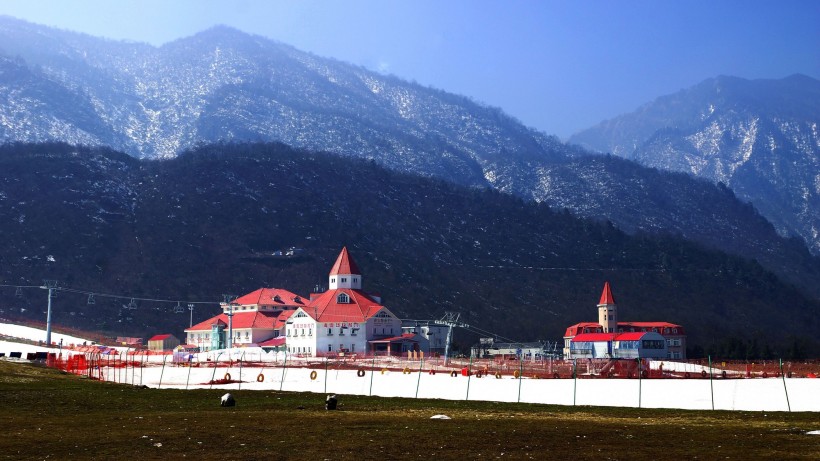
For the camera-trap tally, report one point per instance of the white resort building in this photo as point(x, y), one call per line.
point(342, 320)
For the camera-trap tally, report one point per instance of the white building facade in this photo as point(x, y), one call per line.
point(342, 320)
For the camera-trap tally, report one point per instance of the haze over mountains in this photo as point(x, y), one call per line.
point(223, 86)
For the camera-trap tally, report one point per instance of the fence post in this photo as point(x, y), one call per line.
point(372, 372)
point(783, 375)
point(574, 379)
point(216, 365)
point(284, 365)
point(325, 374)
point(164, 358)
point(187, 380)
point(711, 385)
point(640, 373)
point(520, 376)
point(418, 382)
point(241, 361)
point(469, 375)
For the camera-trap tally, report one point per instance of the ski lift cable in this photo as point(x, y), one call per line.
point(114, 296)
point(471, 329)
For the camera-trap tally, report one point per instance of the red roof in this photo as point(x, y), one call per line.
point(251, 319)
point(631, 336)
point(594, 337)
point(273, 342)
point(606, 296)
point(327, 308)
point(601, 337)
point(345, 265)
point(160, 337)
point(404, 337)
point(578, 328)
point(270, 297)
point(660, 326)
point(282, 319)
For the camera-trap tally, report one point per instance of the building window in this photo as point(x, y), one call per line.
point(343, 280)
point(329, 348)
point(333, 280)
point(343, 298)
point(330, 331)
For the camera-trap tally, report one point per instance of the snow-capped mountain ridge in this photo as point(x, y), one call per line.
point(222, 85)
point(759, 137)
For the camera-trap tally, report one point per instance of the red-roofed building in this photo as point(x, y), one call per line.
point(645, 344)
point(344, 319)
point(253, 318)
point(164, 342)
point(608, 325)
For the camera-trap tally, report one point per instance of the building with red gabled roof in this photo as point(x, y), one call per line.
point(344, 319)
point(674, 335)
point(252, 318)
point(164, 342)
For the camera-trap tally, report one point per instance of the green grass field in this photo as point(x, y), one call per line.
point(51, 415)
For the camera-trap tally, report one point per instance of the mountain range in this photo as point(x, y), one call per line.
point(223, 86)
point(213, 220)
point(760, 138)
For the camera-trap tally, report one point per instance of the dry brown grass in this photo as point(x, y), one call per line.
point(49, 415)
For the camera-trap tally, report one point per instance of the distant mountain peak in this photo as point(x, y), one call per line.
point(759, 137)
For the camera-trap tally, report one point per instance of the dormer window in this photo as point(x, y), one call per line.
point(343, 298)
point(297, 299)
point(277, 299)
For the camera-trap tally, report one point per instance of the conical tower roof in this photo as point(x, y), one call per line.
point(606, 296)
point(345, 265)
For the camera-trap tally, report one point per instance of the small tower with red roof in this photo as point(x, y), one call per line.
point(608, 311)
point(345, 273)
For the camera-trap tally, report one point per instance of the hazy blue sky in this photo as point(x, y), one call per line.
point(559, 66)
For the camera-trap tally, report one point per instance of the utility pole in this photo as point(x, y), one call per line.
point(49, 285)
point(229, 300)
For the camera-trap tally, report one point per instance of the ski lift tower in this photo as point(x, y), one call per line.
point(451, 320)
point(49, 285)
